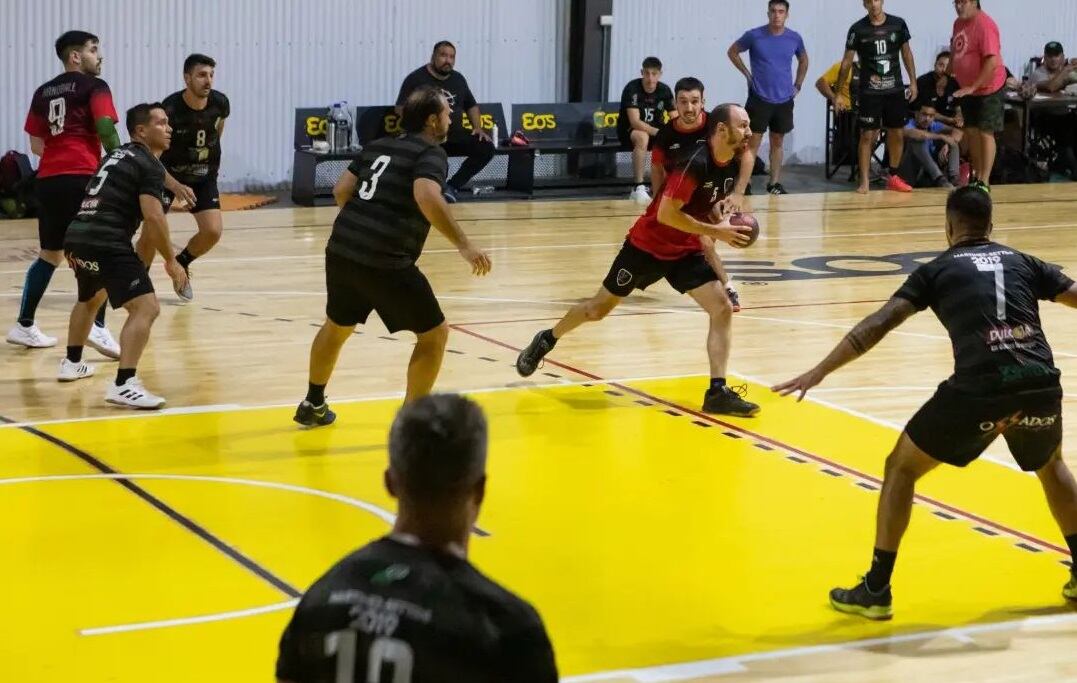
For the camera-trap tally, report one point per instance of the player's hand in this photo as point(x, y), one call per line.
point(186, 194)
point(959, 120)
point(913, 92)
point(482, 135)
point(944, 153)
point(841, 105)
point(963, 92)
point(177, 273)
point(806, 381)
point(734, 203)
point(733, 235)
point(480, 262)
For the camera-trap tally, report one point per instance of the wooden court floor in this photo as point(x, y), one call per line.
point(660, 544)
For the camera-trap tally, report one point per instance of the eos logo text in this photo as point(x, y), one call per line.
point(316, 125)
point(486, 121)
point(538, 121)
point(392, 124)
point(609, 119)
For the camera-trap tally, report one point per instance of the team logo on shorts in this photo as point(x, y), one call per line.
point(623, 277)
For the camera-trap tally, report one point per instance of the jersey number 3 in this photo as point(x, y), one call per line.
point(369, 187)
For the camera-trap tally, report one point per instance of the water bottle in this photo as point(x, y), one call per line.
point(331, 127)
point(494, 135)
point(597, 121)
point(349, 125)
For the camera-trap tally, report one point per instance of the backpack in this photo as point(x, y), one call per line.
point(17, 185)
point(1014, 167)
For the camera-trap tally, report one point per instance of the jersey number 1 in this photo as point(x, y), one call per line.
point(396, 653)
point(369, 187)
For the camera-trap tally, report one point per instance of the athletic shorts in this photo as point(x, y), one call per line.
point(636, 269)
point(402, 297)
point(955, 427)
point(206, 195)
point(625, 137)
point(118, 271)
point(984, 112)
point(777, 118)
point(59, 197)
point(882, 111)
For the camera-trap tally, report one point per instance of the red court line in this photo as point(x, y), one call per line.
point(780, 444)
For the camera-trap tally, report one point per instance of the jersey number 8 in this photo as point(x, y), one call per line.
point(369, 187)
point(200, 138)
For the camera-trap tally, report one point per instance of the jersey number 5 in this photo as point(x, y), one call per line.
point(369, 187)
point(383, 651)
point(102, 174)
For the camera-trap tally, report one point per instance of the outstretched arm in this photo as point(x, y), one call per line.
point(867, 333)
point(1068, 297)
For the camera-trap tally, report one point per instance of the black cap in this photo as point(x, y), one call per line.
point(1053, 49)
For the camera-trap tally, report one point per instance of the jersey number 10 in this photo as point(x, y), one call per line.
point(383, 651)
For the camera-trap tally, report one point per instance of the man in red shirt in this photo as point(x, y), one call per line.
point(70, 118)
point(977, 66)
point(674, 239)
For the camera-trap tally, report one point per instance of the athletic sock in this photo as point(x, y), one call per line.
point(716, 384)
point(315, 394)
point(99, 320)
point(882, 568)
point(185, 257)
point(547, 336)
point(893, 171)
point(37, 281)
point(74, 354)
point(124, 374)
point(1071, 541)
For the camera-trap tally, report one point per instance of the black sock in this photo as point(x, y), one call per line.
point(717, 383)
point(99, 320)
point(74, 354)
point(124, 374)
point(550, 339)
point(1071, 541)
point(185, 257)
point(37, 281)
point(315, 394)
point(882, 567)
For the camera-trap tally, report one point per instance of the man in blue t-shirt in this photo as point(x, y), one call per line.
point(929, 145)
point(771, 87)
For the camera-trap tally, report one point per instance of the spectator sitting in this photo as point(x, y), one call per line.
point(474, 144)
point(938, 88)
point(646, 102)
point(839, 95)
point(930, 143)
point(1054, 75)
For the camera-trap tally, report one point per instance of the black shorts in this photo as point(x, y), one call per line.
point(777, 118)
point(206, 196)
point(882, 111)
point(955, 427)
point(118, 271)
point(625, 137)
point(59, 197)
point(402, 297)
point(984, 112)
point(636, 269)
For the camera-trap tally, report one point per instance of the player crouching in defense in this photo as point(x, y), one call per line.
point(675, 239)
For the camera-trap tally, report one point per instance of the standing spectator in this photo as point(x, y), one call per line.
point(878, 40)
point(771, 88)
point(937, 88)
point(646, 102)
point(476, 144)
point(981, 75)
point(930, 143)
point(1054, 75)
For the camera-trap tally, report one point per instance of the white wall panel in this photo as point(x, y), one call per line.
point(275, 55)
point(691, 38)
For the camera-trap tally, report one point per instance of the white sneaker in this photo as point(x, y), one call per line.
point(101, 340)
point(640, 194)
point(69, 372)
point(30, 337)
point(186, 293)
point(133, 395)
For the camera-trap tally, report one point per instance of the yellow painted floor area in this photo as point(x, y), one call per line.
point(644, 533)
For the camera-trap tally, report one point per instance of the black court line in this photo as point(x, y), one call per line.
point(173, 514)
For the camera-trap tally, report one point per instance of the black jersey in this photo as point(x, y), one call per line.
point(879, 50)
point(110, 212)
point(195, 153)
point(987, 297)
point(653, 106)
point(381, 225)
point(455, 89)
point(673, 147)
point(397, 612)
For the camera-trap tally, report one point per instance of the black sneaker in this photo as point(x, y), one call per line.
point(734, 298)
point(529, 359)
point(449, 193)
point(861, 601)
point(775, 188)
point(310, 415)
point(727, 401)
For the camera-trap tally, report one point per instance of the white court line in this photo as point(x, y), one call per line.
point(185, 621)
point(738, 663)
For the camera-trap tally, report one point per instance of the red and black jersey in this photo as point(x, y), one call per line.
point(674, 145)
point(63, 113)
point(700, 182)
